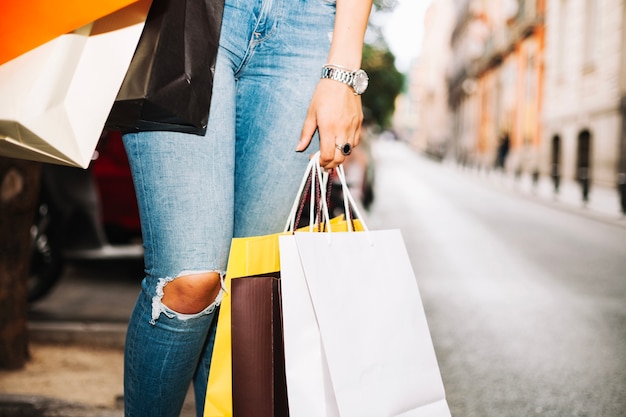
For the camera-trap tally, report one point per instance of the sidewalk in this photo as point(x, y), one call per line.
point(76, 341)
point(64, 380)
point(603, 203)
point(69, 375)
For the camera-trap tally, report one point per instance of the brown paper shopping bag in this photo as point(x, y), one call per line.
point(259, 386)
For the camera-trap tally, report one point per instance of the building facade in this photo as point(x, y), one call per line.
point(428, 84)
point(539, 87)
point(496, 83)
point(582, 119)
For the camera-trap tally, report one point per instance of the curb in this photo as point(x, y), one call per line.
point(524, 188)
point(37, 406)
point(557, 203)
point(109, 335)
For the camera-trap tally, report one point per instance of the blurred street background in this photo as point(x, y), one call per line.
point(526, 301)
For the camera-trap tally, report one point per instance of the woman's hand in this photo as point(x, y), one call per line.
point(336, 113)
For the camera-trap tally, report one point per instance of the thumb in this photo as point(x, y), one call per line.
point(308, 130)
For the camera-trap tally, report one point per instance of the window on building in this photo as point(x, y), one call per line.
point(583, 156)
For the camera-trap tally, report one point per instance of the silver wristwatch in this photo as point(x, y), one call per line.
point(357, 80)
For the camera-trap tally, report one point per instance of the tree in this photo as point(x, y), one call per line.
point(19, 190)
point(386, 83)
point(382, 5)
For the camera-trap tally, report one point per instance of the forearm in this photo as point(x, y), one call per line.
point(335, 111)
point(350, 25)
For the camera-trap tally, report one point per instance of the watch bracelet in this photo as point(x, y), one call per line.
point(338, 75)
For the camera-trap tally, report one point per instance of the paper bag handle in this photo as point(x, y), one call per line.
point(314, 172)
point(348, 201)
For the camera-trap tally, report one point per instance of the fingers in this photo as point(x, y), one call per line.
point(335, 153)
point(336, 113)
point(333, 149)
point(338, 141)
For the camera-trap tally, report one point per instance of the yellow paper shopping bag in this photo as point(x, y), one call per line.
point(248, 256)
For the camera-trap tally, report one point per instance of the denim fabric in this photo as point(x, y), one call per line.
point(196, 193)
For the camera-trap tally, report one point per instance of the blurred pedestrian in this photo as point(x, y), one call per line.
point(503, 151)
point(196, 193)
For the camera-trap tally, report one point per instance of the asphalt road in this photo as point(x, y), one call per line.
point(526, 303)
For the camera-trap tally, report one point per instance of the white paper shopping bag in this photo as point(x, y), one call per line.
point(309, 388)
point(367, 349)
point(372, 324)
point(56, 97)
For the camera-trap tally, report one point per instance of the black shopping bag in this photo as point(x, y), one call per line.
point(169, 82)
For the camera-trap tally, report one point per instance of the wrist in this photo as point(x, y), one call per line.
point(342, 67)
point(344, 63)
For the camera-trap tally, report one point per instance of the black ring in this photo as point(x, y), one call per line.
point(345, 149)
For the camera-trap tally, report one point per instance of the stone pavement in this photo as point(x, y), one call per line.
point(69, 380)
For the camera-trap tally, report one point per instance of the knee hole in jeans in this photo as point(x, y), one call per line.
point(191, 292)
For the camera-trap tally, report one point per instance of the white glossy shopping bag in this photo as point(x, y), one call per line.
point(56, 97)
point(356, 338)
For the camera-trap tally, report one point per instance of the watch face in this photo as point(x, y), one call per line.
point(361, 80)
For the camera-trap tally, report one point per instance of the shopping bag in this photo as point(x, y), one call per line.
point(169, 82)
point(249, 257)
point(28, 24)
point(310, 390)
point(56, 97)
point(259, 386)
point(355, 327)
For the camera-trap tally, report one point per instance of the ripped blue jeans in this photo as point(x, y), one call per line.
point(196, 193)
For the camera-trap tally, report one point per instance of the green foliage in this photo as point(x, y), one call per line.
point(386, 83)
point(385, 4)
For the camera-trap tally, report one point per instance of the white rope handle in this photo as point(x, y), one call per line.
point(348, 201)
point(315, 171)
point(291, 220)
